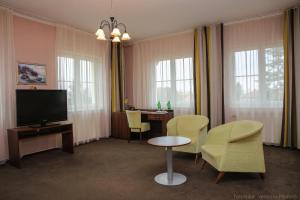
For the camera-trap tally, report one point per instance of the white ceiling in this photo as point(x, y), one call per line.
point(147, 18)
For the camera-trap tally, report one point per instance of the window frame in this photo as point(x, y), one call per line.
point(76, 84)
point(261, 51)
point(173, 80)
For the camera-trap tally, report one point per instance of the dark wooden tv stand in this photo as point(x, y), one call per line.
point(20, 133)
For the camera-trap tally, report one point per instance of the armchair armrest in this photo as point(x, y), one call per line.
point(204, 125)
point(244, 129)
point(237, 138)
point(171, 127)
point(219, 134)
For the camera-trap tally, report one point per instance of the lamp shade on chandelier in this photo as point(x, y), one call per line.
point(114, 28)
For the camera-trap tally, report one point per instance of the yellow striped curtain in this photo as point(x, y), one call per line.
point(208, 73)
point(290, 131)
point(117, 77)
point(197, 79)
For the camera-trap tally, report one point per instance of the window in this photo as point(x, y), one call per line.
point(174, 82)
point(87, 83)
point(78, 77)
point(66, 78)
point(163, 81)
point(274, 74)
point(184, 82)
point(258, 75)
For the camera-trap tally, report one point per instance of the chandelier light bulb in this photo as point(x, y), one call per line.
point(116, 32)
point(116, 39)
point(99, 32)
point(125, 36)
point(101, 37)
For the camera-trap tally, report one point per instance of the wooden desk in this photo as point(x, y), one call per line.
point(17, 134)
point(158, 122)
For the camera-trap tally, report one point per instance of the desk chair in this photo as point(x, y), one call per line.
point(135, 123)
point(235, 147)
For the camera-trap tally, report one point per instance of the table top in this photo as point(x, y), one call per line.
point(169, 141)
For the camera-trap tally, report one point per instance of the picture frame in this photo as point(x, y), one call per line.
point(31, 74)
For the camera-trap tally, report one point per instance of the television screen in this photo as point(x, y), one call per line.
point(41, 106)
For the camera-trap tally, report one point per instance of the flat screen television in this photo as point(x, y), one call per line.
point(38, 107)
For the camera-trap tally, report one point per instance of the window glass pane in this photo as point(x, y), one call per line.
point(65, 69)
point(80, 83)
point(240, 63)
point(163, 71)
point(274, 74)
point(187, 68)
point(259, 77)
point(66, 78)
point(163, 92)
point(168, 64)
point(174, 80)
point(183, 93)
point(87, 84)
point(158, 72)
point(179, 69)
point(158, 90)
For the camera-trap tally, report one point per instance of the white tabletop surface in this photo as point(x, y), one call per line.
point(169, 141)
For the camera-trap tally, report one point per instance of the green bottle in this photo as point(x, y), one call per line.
point(169, 105)
point(158, 105)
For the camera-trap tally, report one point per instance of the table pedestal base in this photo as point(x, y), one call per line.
point(162, 179)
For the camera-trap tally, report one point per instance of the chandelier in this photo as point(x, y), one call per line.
point(113, 27)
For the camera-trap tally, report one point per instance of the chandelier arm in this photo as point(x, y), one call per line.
point(115, 23)
point(123, 25)
point(105, 23)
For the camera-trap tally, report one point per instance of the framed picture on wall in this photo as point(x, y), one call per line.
point(31, 74)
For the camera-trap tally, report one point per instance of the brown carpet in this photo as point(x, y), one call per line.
point(113, 169)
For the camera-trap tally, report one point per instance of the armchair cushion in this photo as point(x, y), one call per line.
point(145, 126)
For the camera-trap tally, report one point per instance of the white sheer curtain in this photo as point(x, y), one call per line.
point(82, 69)
point(254, 70)
point(7, 79)
point(163, 71)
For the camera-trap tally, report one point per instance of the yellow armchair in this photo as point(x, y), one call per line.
point(135, 123)
point(190, 126)
point(235, 147)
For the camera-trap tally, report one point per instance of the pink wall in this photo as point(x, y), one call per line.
point(35, 43)
point(128, 54)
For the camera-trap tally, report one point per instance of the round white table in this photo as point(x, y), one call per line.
point(169, 177)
